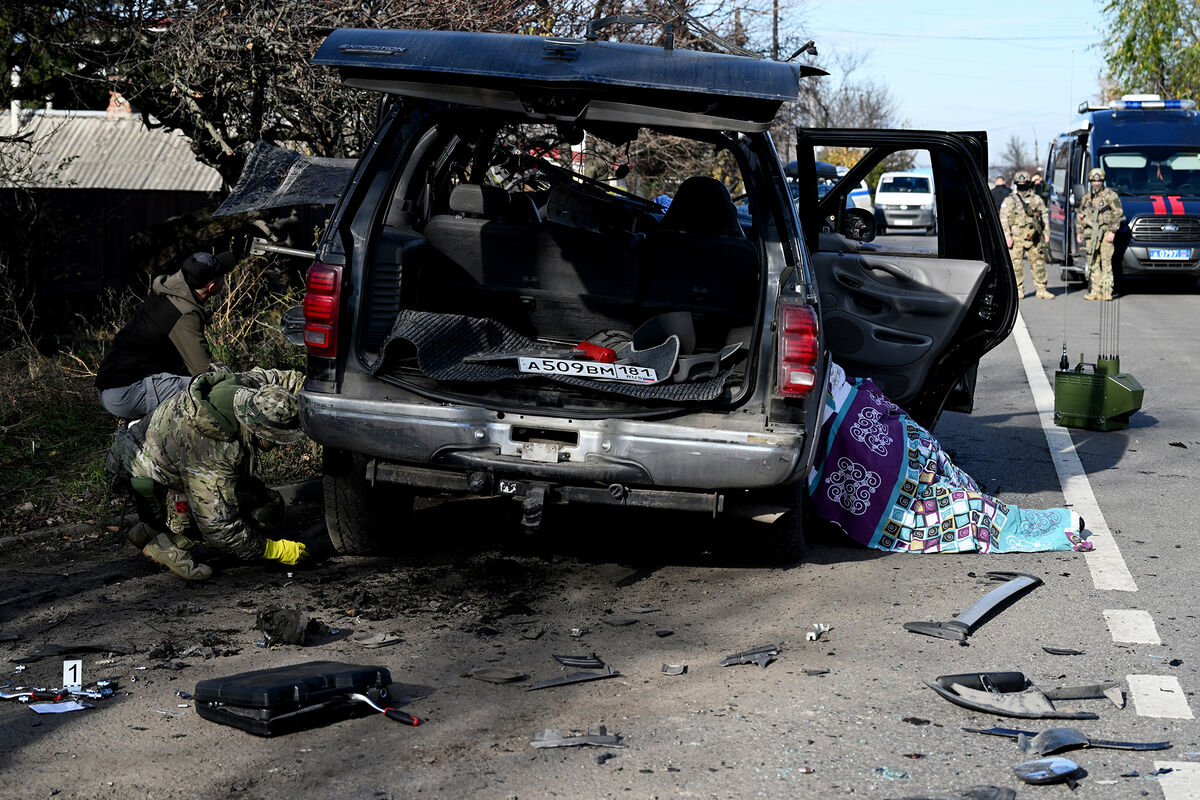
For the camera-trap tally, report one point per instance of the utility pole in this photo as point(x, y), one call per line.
point(774, 30)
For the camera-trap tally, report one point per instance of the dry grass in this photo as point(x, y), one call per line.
point(54, 434)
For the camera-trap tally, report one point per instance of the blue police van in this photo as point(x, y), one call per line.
point(1149, 149)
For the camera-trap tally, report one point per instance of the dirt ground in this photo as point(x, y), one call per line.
point(845, 715)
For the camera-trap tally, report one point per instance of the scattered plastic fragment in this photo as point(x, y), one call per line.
point(806, 770)
point(1062, 651)
point(972, 793)
point(889, 773)
point(497, 675)
point(815, 672)
point(182, 694)
point(1055, 740)
point(1048, 770)
point(59, 708)
point(664, 633)
point(582, 662)
point(578, 677)
point(914, 756)
point(915, 720)
point(577, 632)
point(552, 737)
point(1161, 771)
point(959, 628)
point(762, 655)
point(674, 669)
point(1133, 773)
point(642, 609)
point(603, 757)
point(815, 634)
point(1009, 695)
point(374, 640)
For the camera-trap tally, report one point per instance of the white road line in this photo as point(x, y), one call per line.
point(1182, 783)
point(1159, 696)
point(1105, 562)
point(1132, 626)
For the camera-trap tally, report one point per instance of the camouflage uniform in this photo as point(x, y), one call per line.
point(1025, 220)
point(1099, 213)
point(201, 443)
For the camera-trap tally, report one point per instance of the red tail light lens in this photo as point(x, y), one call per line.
point(797, 349)
point(322, 303)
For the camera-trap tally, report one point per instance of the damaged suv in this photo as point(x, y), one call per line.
point(503, 303)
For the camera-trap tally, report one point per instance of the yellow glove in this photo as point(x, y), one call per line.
point(284, 551)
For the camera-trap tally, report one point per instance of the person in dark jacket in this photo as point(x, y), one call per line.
point(1000, 191)
point(163, 347)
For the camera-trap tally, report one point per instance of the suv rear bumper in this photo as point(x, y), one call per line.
point(684, 453)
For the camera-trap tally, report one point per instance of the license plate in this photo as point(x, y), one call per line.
point(1170, 253)
point(902, 222)
point(594, 370)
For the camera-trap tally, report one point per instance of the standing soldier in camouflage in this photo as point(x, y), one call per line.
point(1100, 215)
point(202, 443)
point(1026, 224)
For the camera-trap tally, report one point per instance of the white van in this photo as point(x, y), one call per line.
point(906, 200)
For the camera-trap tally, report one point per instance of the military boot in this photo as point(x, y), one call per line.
point(141, 534)
point(165, 550)
point(1043, 293)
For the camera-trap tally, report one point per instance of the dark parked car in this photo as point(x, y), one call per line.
point(498, 308)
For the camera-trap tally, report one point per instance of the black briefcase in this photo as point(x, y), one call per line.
point(269, 702)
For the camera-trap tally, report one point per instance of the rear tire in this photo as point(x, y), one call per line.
point(362, 519)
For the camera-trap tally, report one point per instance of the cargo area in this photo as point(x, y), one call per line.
point(506, 244)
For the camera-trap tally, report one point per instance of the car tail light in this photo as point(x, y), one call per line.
point(322, 303)
point(798, 350)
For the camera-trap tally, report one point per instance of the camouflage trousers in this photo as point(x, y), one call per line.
point(164, 509)
point(1037, 263)
point(1100, 269)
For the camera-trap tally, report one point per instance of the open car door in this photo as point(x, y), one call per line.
point(912, 312)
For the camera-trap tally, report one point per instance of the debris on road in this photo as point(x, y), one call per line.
point(497, 675)
point(959, 628)
point(674, 669)
point(1062, 651)
point(972, 793)
point(761, 655)
point(552, 737)
point(64, 707)
point(578, 677)
point(1049, 770)
point(376, 640)
point(1055, 740)
point(47, 650)
point(815, 634)
point(581, 662)
point(288, 625)
point(1007, 694)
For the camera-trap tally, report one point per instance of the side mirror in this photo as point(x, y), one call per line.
point(858, 224)
point(1077, 192)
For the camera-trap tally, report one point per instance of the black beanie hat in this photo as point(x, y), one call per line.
point(201, 269)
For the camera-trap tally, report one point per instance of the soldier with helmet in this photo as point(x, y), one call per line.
point(201, 444)
point(1026, 225)
point(1100, 215)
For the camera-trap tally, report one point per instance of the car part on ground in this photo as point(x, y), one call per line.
point(959, 628)
point(1055, 740)
point(761, 655)
point(1008, 694)
point(553, 737)
point(578, 677)
point(1049, 770)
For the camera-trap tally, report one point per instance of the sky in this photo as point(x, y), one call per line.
point(1018, 67)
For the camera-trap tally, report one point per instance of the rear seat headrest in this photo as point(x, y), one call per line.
point(478, 201)
point(702, 205)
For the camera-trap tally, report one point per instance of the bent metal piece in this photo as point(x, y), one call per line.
point(582, 662)
point(578, 677)
point(1055, 740)
point(552, 737)
point(762, 656)
point(959, 628)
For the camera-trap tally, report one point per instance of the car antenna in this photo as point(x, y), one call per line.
point(708, 33)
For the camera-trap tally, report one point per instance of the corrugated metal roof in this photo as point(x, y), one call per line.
point(99, 150)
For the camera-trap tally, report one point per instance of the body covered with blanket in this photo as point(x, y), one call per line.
point(885, 481)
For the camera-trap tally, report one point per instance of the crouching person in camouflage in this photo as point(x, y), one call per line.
point(194, 457)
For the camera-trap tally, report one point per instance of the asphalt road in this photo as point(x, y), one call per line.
point(473, 593)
